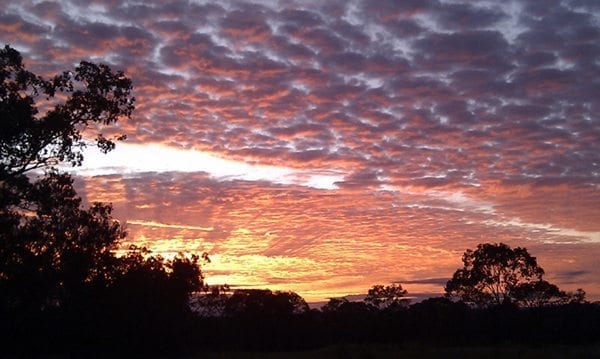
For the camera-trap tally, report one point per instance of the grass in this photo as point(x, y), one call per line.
point(373, 351)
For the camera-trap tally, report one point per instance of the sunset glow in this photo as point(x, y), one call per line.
point(323, 147)
point(133, 159)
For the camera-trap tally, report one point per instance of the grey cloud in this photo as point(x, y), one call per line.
point(436, 281)
point(533, 60)
point(585, 4)
point(390, 9)
point(405, 28)
point(321, 39)
point(463, 16)
point(303, 129)
point(87, 36)
point(300, 17)
point(294, 52)
point(47, 10)
point(465, 48)
point(353, 33)
point(243, 25)
point(351, 62)
point(573, 274)
point(172, 28)
point(362, 179)
point(12, 23)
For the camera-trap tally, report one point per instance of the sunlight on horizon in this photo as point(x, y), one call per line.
point(132, 159)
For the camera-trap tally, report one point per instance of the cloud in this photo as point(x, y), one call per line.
point(166, 225)
point(436, 281)
point(346, 239)
point(466, 16)
point(394, 103)
point(574, 274)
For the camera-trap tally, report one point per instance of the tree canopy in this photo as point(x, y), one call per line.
point(50, 247)
point(263, 303)
point(492, 273)
point(90, 96)
point(57, 258)
point(387, 297)
point(495, 274)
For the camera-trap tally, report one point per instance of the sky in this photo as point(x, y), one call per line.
point(327, 146)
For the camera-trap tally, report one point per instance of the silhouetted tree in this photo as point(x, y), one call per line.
point(90, 96)
point(494, 274)
point(538, 294)
point(263, 303)
point(60, 281)
point(387, 297)
point(333, 304)
point(439, 320)
point(343, 308)
point(578, 297)
point(49, 257)
point(50, 248)
point(162, 285)
point(210, 301)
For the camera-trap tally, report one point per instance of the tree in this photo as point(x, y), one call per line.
point(147, 300)
point(334, 305)
point(343, 308)
point(578, 297)
point(539, 294)
point(211, 301)
point(49, 257)
point(493, 274)
point(50, 248)
point(263, 303)
point(150, 288)
point(542, 294)
point(58, 267)
point(387, 297)
point(440, 319)
point(93, 96)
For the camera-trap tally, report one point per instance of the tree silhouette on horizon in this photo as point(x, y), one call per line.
point(496, 274)
point(61, 283)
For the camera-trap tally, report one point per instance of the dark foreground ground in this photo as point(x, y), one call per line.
point(368, 351)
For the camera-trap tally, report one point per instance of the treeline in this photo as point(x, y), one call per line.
point(435, 321)
point(268, 322)
point(135, 324)
point(65, 292)
point(499, 297)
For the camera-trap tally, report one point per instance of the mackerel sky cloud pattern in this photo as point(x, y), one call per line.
point(411, 130)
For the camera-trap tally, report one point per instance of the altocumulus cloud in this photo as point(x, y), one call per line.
point(435, 125)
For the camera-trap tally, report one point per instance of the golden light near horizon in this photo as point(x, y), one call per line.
point(252, 238)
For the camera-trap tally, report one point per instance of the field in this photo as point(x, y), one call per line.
point(368, 351)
